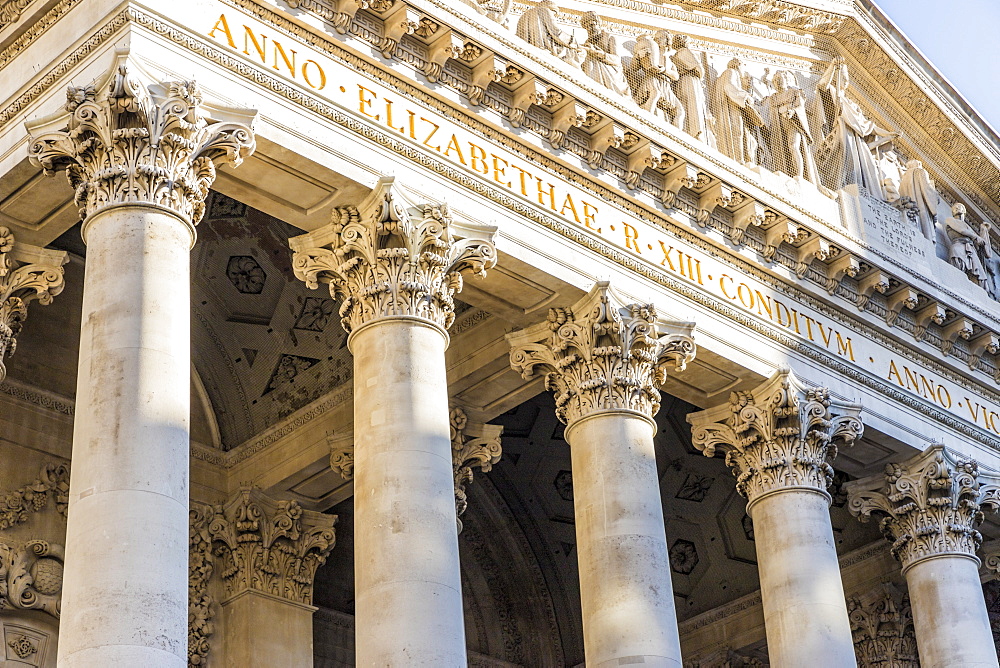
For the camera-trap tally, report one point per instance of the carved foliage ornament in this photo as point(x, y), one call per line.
point(52, 483)
point(882, 629)
point(31, 577)
point(929, 505)
point(27, 273)
point(201, 604)
point(123, 141)
point(602, 355)
point(390, 256)
point(472, 446)
point(269, 546)
point(779, 435)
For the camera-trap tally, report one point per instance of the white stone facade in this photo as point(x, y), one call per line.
point(435, 326)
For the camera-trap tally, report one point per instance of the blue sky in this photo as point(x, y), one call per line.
point(962, 39)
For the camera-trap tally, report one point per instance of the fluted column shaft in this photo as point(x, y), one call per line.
point(625, 589)
point(778, 438)
point(140, 157)
point(929, 508)
point(602, 358)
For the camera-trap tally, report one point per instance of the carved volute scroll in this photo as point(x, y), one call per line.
point(342, 454)
point(27, 273)
point(601, 354)
point(473, 445)
point(392, 256)
point(780, 435)
point(929, 505)
point(882, 627)
point(273, 547)
point(125, 140)
point(31, 576)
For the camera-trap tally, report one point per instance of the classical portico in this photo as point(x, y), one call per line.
point(419, 333)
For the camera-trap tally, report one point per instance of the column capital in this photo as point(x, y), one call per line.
point(929, 505)
point(602, 354)
point(267, 546)
point(473, 445)
point(27, 273)
point(393, 256)
point(779, 435)
point(128, 139)
point(882, 626)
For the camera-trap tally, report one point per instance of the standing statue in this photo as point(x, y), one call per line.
point(791, 138)
point(917, 187)
point(537, 26)
point(845, 155)
point(736, 120)
point(970, 248)
point(652, 73)
point(602, 64)
point(690, 90)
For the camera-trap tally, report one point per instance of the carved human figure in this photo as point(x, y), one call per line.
point(845, 154)
point(653, 73)
point(690, 90)
point(791, 139)
point(603, 64)
point(917, 187)
point(736, 119)
point(970, 248)
point(537, 26)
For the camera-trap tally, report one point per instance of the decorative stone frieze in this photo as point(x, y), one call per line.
point(201, 604)
point(31, 576)
point(128, 140)
point(780, 435)
point(601, 354)
point(929, 505)
point(882, 625)
point(393, 256)
point(268, 546)
point(52, 483)
point(473, 445)
point(27, 273)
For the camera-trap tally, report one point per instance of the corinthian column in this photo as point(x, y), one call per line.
point(395, 265)
point(602, 360)
point(27, 273)
point(778, 439)
point(141, 159)
point(929, 508)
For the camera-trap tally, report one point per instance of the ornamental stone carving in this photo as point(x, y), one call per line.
point(31, 576)
point(268, 546)
point(882, 627)
point(201, 604)
point(393, 256)
point(27, 273)
point(125, 140)
point(778, 436)
point(52, 484)
point(929, 505)
point(473, 445)
point(601, 354)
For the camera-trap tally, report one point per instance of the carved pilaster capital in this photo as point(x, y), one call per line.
point(779, 435)
point(602, 354)
point(268, 546)
point(129, 140)
point(27, 273)
point(393, 256)
point(31, 576)
point(882, 628)
point(929, 505)
point(342, 454)
point(473, 445)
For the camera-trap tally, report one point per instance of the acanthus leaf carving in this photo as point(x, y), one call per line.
point(27, 273)
point(779, 435)
point(602, 354)
point(473, 445)
point(269, 546)
point(882, 629)
point(123, 141)
point(391, 256)
point(929, 505)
